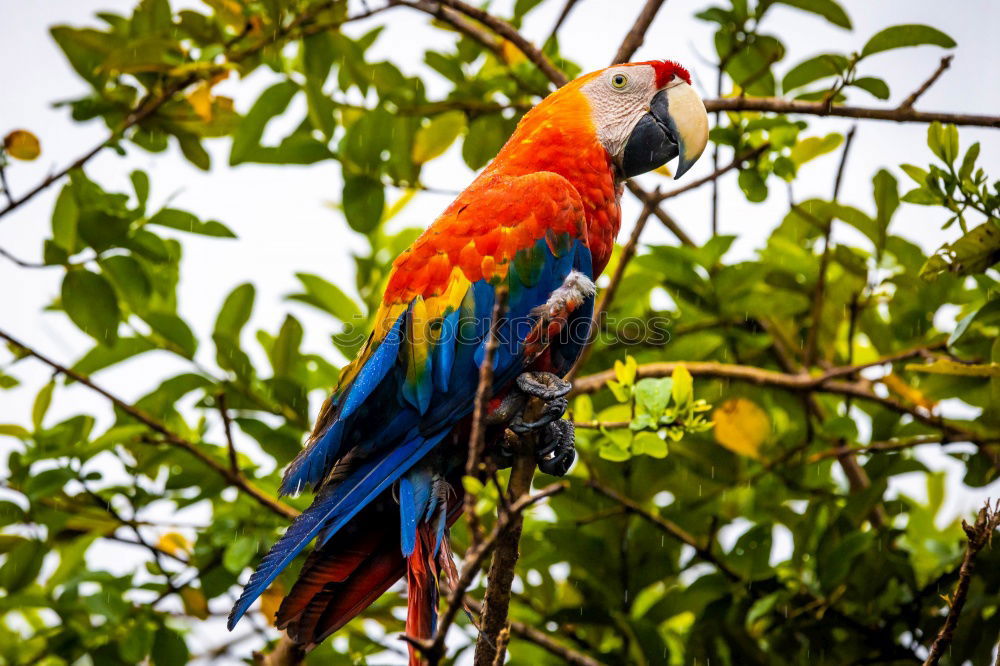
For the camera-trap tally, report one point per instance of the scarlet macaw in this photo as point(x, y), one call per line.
point(389, 446)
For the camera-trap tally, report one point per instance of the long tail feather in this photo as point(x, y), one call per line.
point(330, 511)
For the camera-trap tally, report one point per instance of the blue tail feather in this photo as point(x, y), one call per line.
point(330, 511)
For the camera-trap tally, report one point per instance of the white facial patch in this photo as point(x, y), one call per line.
point(617, 110)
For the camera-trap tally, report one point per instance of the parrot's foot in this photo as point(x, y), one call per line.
point(556, 449)
point(546, 387)
point(543, 385)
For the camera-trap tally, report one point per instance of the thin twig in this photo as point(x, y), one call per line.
point(20, 262)
point(669, 222)
point(477, 436)
point(715, 175)
point(169, 436)
point(978, 535)
point(541, 639)
point(819, 292)
point(227, 426)
point(668, 526)
point(152, 103)
point(916, 94)
point(563, 15)
point(637, 35)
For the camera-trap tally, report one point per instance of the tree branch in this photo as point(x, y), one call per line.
point(496, 602)
point(563, 15)
point(169, 436)
point(916, 94)
point(637, 35)
point(978, 535)
point(826, 382)
point(668, 526)
point(151, 103)
point(819, 293)
point(898, 115)
point(541, 639)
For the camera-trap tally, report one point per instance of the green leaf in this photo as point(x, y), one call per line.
point(235, 311)
point(886, 202)
point(753, 185)
point(653, 395)
point(286, 347)
point(130, 280)
point(973, 253)
point(987, 315)
point(65, 216)
point(86, 50)
point(874, 85)
point(813, 69)
point(41, 405)
point(272, 102)
point(485, 137)
point(175, 331)
point(90, 302)
point(326, 296)
point(24, 562)
point(900, 36)
point(184, 221)
point(946, 366)
point(812, 147)
point(364, 200)
point(140, 183)
point(968, 162)
point(434, 139)
point(239, 553)
point(828, 9)
point(169, 648)
point(101, 356)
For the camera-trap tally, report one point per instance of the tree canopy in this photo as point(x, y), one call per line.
point(739, 421)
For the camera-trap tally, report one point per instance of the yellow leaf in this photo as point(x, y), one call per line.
point(511, 54)
point(896, 385)
point(22, 145)
point(271, 600)
point(946, 366)
point(174, 543)
point(741, 426)
point(201, 101)
point(195, 603)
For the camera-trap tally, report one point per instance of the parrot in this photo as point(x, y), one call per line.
point(388, 451)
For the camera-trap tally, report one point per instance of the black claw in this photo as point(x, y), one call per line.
point(544, 385)
point(557, 451)
point(554, 409)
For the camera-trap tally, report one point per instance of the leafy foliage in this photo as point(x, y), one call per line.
point(691, 569)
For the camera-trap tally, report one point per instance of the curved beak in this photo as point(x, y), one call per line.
point(676, 125)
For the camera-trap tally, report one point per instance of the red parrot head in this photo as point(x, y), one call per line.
point(645, 114)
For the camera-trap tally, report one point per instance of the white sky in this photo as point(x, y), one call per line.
point(284, 226)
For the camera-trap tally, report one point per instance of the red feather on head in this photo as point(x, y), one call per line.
point(666, 70)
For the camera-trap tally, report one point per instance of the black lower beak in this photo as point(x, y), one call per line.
point(653, 142)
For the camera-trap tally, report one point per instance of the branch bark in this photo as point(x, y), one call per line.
point(496, 602)
point(170, 438)
point(541, 639)
point(637, 35)
point(978, 535)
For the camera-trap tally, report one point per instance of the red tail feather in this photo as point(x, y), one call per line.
point(422, 572)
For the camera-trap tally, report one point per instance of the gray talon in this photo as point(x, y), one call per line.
point(554, 409)
point(544, 385)
point(557, 449)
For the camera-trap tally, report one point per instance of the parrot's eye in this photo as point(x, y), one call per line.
point(619, 81)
